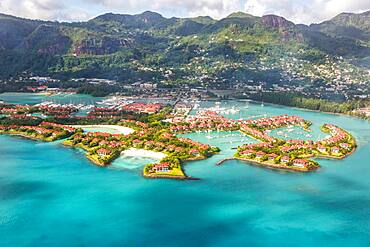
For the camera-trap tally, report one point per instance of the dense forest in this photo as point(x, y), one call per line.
point(296, 100)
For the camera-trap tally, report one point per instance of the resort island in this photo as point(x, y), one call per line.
point(155, 130)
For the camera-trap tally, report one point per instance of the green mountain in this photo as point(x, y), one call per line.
point(201, 50)
point(353, 29)
point(352, 26)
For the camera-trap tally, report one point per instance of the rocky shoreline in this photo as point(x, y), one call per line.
point(270, 166)
point(154, 176)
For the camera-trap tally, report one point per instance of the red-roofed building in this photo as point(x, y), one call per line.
point(272, 156)
point(345, 145)
point(321, 148)
point(300, 163)
point(194, 152)
point(247, 152)
point(285, 159)
point(163, 167)
point(102, 152)
point(167, 135)
point(335, 150)
point(136, 142)
point(260, 154)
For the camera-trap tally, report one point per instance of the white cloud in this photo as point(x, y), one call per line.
point(303, 11)
point(43, 9)
point(254, 7)
point(214, 8)
point(299, 11)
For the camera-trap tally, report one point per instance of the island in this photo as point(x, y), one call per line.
point(157, 128)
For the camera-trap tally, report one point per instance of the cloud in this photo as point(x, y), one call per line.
point(302, 11)
point(44, 9)
point(214, 8)
point(298, 11)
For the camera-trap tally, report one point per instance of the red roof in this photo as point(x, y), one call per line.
point(162, 165)
point(103, 151)
point(285, 158)
point(248, 151)
point(301, 161)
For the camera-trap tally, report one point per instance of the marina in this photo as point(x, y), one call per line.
point(32, 180)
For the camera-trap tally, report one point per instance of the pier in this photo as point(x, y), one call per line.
point(224, 160)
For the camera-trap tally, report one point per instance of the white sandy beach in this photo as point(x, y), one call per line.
point(119, 129)
point(133, 152)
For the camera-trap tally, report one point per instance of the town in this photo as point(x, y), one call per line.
point(343, 88)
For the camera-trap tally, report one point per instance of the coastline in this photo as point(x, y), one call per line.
point(26, 136)
point(306, 109)
point(269, 166)
point(96, 162)
point(176, 177)
point(89, 157)
point(323, 156)
point(103, 148)
point(154, 176)
point(117, 201)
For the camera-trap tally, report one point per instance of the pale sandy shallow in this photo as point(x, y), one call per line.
point(133, 152)
point(120, 129)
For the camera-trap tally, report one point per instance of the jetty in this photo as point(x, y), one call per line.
point(224, 160)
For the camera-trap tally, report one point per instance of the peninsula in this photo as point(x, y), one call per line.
point(153, 129)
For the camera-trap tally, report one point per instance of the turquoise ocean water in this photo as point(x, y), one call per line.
point(32, 98)
point(53, 196)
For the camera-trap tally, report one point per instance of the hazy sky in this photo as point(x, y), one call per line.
point(298, 11)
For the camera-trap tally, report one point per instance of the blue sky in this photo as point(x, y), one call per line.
point(298, 11)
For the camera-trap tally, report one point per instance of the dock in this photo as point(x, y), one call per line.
point(224, 160)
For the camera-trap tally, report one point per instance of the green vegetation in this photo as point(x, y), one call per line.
point(295, 100)
point(153, 134)
point(296, 154)
point(235, 49)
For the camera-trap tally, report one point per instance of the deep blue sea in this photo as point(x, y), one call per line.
point(51, 195)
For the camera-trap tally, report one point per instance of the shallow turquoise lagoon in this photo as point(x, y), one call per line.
point(132, 163)
point(34, 98)
point(51, 195)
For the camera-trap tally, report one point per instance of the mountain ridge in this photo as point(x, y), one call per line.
point(122, 46)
